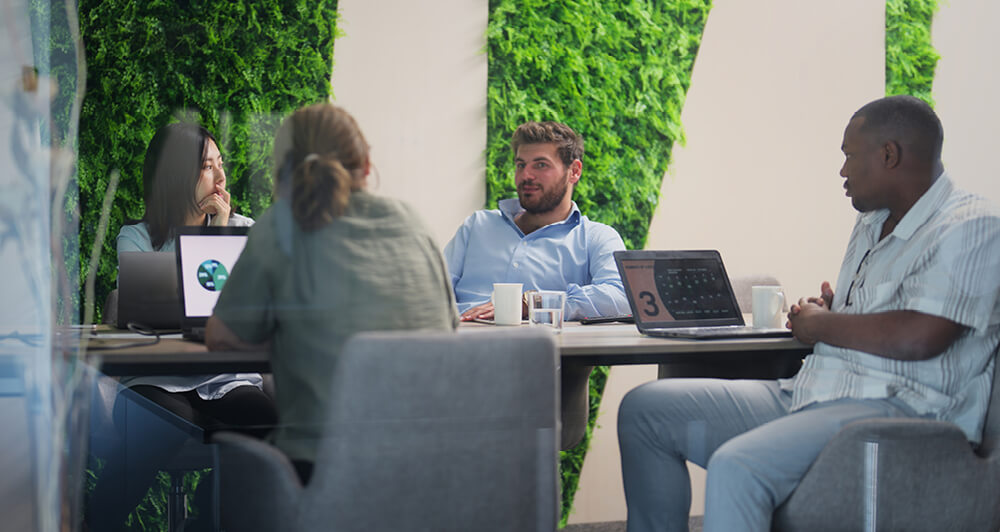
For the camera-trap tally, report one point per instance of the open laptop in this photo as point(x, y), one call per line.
point(684, 294)
point(147, 290)
point(205, 256)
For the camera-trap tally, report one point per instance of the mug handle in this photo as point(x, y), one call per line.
point(778, 300)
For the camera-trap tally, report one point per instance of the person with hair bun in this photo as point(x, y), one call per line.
point(327, 260)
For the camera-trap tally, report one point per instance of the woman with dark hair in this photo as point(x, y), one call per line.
point(327, 260)
point(184, 184)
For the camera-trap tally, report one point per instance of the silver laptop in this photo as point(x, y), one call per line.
point(205, 256)
point(684, 294)
point(147, 290)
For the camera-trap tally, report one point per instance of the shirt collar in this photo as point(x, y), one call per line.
point(919, 213)
point(925, 207)
point(511, 207)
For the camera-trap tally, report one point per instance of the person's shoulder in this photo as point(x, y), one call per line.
point(134, 237)
point(483, 217)
point(390, 212)
point(963, 206)
point(134, 229)
point(376, 205)
point(598, 229)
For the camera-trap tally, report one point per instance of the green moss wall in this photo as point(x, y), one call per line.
point(617, 73)
point(910, 57)
point(234, 67)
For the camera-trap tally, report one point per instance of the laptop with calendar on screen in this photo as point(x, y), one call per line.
point(205, 257)
point(684, 294)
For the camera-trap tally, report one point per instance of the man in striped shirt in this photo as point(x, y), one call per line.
point(910, 332)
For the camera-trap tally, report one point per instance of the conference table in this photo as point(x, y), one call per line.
point(581, 347)
point(118, 353)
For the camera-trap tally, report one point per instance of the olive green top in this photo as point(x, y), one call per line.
point(374, 268)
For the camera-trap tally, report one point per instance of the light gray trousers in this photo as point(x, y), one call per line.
point(741, 431)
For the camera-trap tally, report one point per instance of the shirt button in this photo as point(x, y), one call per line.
point(515, 265)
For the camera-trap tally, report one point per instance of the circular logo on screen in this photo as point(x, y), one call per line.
point(212, 275)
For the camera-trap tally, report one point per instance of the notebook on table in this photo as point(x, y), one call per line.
point(205, 256)
point(147, 290)
point(684, 294)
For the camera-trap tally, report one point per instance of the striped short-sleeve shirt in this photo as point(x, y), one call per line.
point(943, 259)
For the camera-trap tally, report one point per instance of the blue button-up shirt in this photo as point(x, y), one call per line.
point(575, 255)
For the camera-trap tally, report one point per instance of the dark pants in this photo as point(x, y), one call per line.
point(148, 440)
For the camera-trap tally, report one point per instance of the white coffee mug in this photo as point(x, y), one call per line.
point(507, 303)
point(768, 303)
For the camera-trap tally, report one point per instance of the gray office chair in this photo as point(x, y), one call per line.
point(901, 474)
point(768, 367)
point(424, 431)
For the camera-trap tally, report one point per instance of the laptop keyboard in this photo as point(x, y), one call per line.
point(724, 331)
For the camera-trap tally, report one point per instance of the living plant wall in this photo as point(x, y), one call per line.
point(910, 57)
point(617, 73)
point(234, 67)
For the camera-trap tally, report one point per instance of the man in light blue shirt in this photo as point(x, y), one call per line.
point(540, 239)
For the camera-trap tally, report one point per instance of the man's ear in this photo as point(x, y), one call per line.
point(575, 170)
point(891, 154)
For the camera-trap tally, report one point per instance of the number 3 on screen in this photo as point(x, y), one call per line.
point(650, 300)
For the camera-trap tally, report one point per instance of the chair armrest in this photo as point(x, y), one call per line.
point(259, 488)
point(894, 474)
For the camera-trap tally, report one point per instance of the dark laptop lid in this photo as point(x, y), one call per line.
point(205, 256)
point(668, 289)
point(147, 290)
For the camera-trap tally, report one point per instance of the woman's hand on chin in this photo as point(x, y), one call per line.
point(217, 205)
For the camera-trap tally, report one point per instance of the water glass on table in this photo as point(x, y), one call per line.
point(545, 309)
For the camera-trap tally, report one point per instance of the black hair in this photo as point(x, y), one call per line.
point(170, 176)
point(909, 121)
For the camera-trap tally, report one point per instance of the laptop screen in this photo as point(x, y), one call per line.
point(205, 256)
point(678, 288)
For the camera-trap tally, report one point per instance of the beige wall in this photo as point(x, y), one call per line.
point(414, 76)
point(775, 82)
point(773, 87)
point(965, 94)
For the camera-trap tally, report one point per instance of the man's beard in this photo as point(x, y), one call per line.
point(549, 200)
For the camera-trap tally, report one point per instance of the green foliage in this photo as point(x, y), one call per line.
point(910, 57)
point(616, 72)
point(235, 67)
point(151, 513)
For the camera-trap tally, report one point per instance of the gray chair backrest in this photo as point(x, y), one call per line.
point(439, 431)
point(991, 430)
